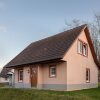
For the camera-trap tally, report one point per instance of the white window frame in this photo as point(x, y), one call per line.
point(51, 68)
point(80, 47)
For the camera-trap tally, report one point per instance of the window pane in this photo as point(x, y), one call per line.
point(85, 49)
point(52, 71)
point(87, 75)
point(20, 75)
point(80, 47)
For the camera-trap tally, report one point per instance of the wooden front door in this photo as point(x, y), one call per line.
point(34, 76)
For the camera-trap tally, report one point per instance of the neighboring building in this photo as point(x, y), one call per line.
point(7, 76)
point(65, 61)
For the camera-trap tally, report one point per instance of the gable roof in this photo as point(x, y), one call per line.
point(47, 49)
point(4, 72)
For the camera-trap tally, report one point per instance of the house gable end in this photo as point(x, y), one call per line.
point(86, 36)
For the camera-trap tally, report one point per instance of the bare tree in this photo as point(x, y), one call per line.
point(95, 34)
point(74, 23)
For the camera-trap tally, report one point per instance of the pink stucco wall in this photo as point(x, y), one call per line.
point(77, 64)
point(40, 74)
point(26, 78)
point(61, 75)
point(16, 76)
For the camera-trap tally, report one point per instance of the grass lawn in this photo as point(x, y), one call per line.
point(32, 94)
point(1, 85)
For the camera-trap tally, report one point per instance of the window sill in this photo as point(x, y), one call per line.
point(20, 81)
point(85, 55)
point(82, 55)
point(52, 77)
point(87, 81)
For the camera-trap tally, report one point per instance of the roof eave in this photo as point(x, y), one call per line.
point(39, 62)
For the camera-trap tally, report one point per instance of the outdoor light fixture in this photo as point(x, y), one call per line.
point(28, 71)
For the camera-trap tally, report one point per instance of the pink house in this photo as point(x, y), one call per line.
point(65, 61)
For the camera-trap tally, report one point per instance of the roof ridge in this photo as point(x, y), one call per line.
point(83, 25)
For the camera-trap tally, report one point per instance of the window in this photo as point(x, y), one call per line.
point(87, 75)
point(20, 75)
point(79, 47)
point(52, 71)
point(82, 48)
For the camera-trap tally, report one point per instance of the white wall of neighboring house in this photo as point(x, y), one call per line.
point(4, 80)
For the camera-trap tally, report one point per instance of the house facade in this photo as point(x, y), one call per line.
point(7, 76)
point(66, 61)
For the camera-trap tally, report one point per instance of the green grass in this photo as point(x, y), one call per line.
point(32, 94)
point(2, 85)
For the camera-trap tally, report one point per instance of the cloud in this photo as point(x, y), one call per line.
point(3, 29)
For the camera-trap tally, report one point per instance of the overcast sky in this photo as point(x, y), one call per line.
point(25, 21)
